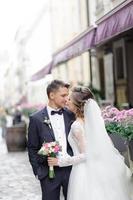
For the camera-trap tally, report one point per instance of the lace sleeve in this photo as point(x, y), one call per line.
point(78, 137)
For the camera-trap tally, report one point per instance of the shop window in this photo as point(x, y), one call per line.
point(120, 60)
point(120, 64)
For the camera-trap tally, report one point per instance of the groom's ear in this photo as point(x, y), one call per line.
point(51, 95)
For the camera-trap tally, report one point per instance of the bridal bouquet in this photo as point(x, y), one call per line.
point(51, 149)
point(119, 121)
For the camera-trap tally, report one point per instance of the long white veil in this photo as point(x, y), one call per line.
point(105, 165)
point(99, 144)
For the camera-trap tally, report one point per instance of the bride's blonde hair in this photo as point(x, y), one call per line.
point(79, 95)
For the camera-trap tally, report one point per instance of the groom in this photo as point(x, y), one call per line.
point(51, 124)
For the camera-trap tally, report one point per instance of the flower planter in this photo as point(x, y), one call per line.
point(121, 145)
point(130, 154)
point(16, 137)
point(119, 142)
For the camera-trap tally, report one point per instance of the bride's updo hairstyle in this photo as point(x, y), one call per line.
point(79, 96)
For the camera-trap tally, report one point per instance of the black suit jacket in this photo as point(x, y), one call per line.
point(38, 132)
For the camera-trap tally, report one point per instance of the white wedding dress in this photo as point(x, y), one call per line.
point(100, 175)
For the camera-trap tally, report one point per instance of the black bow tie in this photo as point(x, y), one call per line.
point(59, 112)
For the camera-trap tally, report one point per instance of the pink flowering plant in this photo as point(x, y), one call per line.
point(51, 149)
point(119, 121)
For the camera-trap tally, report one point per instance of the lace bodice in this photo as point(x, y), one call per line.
point(76, 139)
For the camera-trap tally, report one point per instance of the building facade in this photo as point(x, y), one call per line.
point(68, 20)
point(92, 45)
point(114, 59)
point(109, 62)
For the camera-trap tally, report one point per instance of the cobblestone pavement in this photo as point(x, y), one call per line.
point(17, 181)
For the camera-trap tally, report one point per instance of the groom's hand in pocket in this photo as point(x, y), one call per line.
point(52, 161)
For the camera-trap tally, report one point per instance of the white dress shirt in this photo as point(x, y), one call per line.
point(58, 125)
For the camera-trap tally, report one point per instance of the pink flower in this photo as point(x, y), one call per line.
point(112, 114)
point(56, 149)
point(50, 148)
point(46, 145)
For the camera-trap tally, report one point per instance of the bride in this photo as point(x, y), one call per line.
point(99, 171)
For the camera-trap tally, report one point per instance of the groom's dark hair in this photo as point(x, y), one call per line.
point(55, 85)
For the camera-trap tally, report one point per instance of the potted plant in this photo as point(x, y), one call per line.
point(120, 123)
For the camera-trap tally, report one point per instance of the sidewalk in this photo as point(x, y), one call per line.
point(17, 181)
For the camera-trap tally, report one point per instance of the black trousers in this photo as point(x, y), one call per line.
point(51, 187)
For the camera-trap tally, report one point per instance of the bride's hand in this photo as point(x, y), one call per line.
point(52, 161)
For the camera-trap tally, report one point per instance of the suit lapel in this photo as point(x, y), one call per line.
point(67, 123)
point(45, 118)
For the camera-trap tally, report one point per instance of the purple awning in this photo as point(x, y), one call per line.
point(115, 22)
point(42, 73)
point(76, 47)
